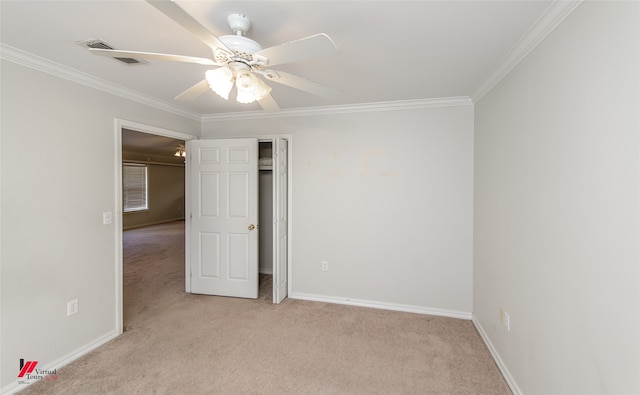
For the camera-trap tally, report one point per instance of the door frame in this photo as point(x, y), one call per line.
point(120, 124)
point(260, 138)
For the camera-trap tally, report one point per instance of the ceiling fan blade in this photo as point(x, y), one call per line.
point(193, 92)
point(182, 18)
point(294, 51)
point(112, 53)
point(269, 104)
point(300, 83)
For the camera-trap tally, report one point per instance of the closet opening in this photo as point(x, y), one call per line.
point(272, 217)
point(265, 218)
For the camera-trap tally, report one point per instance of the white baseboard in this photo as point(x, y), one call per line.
point(382, 305)
point(496, 357)
point(63, 361)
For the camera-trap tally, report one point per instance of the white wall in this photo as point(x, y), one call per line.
point(58, 176)
point(557, 208)
point(385, 198)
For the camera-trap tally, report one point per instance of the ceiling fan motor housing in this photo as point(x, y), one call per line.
point(240, 44)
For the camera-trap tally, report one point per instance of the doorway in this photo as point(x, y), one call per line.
point(162, 142)
point(282, 256)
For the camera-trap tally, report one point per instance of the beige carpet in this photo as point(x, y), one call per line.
point(179, 343)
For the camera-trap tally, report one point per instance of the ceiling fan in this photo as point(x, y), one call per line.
point(240, 60)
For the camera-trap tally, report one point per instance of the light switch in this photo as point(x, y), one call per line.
point(106, 218)
point(72, 307)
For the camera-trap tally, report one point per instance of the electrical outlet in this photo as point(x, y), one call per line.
point(325, 266)
point(72, 307)
point(505, 319)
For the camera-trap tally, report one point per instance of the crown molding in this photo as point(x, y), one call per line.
point(35, 62)
point(344, 109)
point(557, 11)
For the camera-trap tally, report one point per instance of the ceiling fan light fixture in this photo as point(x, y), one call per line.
point(261, 90)
point(245, 97)
point(246, 81)
point(250, 88)
point(180, 152)
point(220, 81)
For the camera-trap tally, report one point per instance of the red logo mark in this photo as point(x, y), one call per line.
point(27, 368)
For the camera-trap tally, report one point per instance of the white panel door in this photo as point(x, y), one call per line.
point(280, 210)
point(223, 239)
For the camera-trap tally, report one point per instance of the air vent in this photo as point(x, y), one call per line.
point(102, 45)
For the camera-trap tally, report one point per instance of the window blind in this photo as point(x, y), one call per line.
point(134, 190)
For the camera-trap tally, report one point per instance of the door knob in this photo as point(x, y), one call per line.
point(252, 227)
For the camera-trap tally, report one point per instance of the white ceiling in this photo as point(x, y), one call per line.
point(387, 50)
